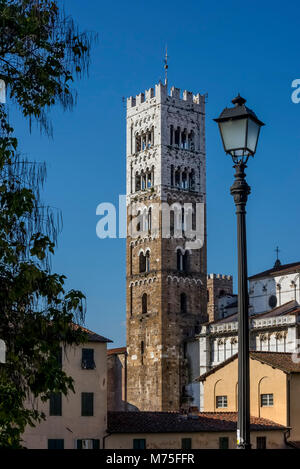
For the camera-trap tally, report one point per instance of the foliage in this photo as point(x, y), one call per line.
point(41, 51)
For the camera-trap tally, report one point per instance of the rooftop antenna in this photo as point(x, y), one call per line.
point(166, 66)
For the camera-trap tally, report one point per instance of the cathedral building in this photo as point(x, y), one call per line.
point(166, 278)
point(274, 317)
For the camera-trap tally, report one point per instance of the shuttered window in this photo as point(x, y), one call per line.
point(261, 442)
point(92, 444)
point(56, 444)
point(87, 361)
point(55, 404)
point(186, 443)
point(139, 443)
point(87, 404)
point(223, 442)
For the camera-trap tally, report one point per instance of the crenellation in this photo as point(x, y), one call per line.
point(188, 96)
point(161, 95)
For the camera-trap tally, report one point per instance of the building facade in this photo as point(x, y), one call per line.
point(274, 315)
point(166, 276)
point(172, 430)
point(78, 420)
point(274, 389)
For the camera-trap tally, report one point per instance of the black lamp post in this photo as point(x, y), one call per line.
point(239, 128)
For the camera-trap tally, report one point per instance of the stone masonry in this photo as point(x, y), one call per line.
point(166, 281)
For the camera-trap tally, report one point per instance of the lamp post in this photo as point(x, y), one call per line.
point(239, 128)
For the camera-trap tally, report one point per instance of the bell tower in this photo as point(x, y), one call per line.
point(166, 276)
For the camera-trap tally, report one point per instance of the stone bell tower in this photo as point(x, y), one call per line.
point(166, 280)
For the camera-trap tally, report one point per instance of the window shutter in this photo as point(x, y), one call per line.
point(88, 362)
point(87, 404)
point(139, 443)
point(186, 443)
point(56, 444)
point(96, 444)
point(55, 404)
point(223, 442)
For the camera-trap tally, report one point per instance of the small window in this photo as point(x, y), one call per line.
point(139, 443)
point(56, 444)
point(87, 404)
point(87, 361)
point(144, 303)
point(261, 442)
point(186, 443)
point(221, 402)
point(266, 400)
point(55, 404)
point(223, 442)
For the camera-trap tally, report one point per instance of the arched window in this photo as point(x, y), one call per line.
point(186, 262)
point(177, 136)
point(142, 262)
point(182, 220)
point(171, 135)
point(150, 220)
point(183, 303)
point(137, 182)
point(192, 180)
point(144, 303)
point(137, 143)
point(179, 260)
point(177, 178)
point(172, 175)
point(184, 180)
point(191, 140)
point(147, 259)
point(143, 181)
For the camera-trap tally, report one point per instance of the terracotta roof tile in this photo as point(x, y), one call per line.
point(173, 422)
point(116, 351)
point(92, 336)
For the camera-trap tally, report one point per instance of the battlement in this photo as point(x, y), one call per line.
point(161, 94)
point(219, 276)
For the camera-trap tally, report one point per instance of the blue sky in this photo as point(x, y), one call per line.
point(219, 48)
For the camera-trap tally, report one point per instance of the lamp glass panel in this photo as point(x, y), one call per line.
point(252, 137)
point(234, 134)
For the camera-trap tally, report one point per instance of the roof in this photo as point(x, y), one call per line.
point(291, 307)
point(116, 351)
point(92, 336)
point(174, 422)
point(280, 360)
point(282, 269)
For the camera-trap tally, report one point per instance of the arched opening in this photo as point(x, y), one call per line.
point(142, 262)
point(179, 260)
point(147, 259)
point(186, 259)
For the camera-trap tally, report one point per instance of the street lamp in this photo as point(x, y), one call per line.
point(239, 128)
